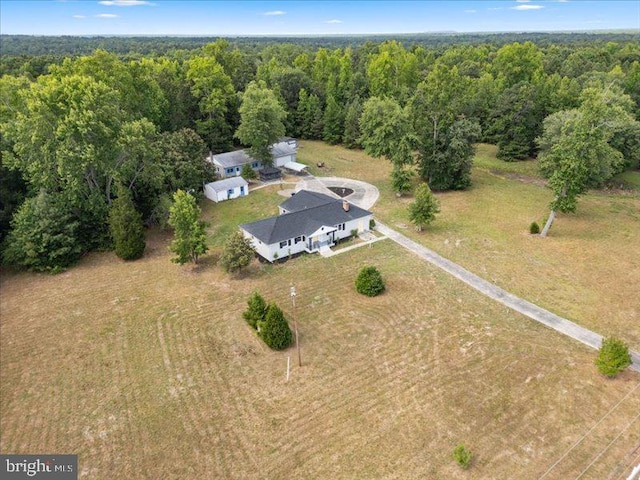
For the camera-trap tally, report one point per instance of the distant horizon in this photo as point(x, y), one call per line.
point(295, 18)
point(320, 35)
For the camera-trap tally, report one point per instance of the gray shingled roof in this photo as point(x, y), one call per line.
point(233, 159)
point(227, 183)
point(282, 149)
point(305, 199)
point(303, 222)
point(240, 157)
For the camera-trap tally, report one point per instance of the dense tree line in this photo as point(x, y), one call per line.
point(76, 130)
point(34, 45)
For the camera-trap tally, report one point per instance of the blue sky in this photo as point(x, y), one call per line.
point(161, 17)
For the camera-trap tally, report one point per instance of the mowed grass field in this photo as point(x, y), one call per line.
point(587, 270)
point(147, 369)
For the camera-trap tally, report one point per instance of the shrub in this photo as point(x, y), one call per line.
point(613, 357)
point(369, 282)
point(247, 172)
point(256, 310)
point(354, 232)
point(372, 224)
point(275, 330)
point(534, 228)
point(462, 456)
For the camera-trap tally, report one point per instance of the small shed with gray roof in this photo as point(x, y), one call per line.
point(226, 189)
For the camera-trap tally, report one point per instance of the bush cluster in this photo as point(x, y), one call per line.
point(613, 357)
point(462, 456)
point(269, 322)
point(534, 228)
point(369, 282)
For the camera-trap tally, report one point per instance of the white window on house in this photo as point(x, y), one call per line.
point(298, 240)
point(230, 192)
point(229, 171)
point(242, 190)
point(341, 226)
point(283, 244)
point(254, 165)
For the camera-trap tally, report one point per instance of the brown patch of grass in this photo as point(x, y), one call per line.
point(147, 370)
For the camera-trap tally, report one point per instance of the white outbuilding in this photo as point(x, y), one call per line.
point(226, 189)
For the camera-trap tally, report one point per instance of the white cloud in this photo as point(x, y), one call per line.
point(124, 3)
point(470, 11)
point(495, 8)
point(79, 16)
point(334, 21)
point(523, 1)
point(274, 13)
point(106, 15)
point(528, 7)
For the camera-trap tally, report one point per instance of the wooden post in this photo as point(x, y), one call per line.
point(295, 324)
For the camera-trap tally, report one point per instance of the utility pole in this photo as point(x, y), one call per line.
point(295, 323)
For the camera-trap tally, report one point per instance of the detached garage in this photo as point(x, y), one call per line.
point(226, 189)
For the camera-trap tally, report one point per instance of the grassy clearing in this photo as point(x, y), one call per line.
point(588, 270)
point(148, 370)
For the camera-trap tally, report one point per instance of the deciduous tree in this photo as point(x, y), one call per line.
point(424, 208)
point(190, 239)
point(261, 123)
point(238, 252)
point(576, 151)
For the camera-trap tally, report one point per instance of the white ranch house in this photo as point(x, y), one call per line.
point(308, 222)
point(226, 189)
point(230, 164)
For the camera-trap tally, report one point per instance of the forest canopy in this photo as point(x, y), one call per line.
point(84, 117)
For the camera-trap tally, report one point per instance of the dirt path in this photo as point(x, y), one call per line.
point(532, 311)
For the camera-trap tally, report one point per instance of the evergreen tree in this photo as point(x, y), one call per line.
point(275, 330)
point(125, 225)
point(309, 115)
point(190, 239)
point(401, 178)
point(44, 235)
point(238, 252)
point(352, 133)
point(369, 282)
point(333, 121)
point(423, 210)
point(256, 310)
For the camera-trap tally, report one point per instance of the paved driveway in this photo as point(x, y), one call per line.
point(364, 194)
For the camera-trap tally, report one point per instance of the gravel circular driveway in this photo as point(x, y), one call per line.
point(364, 194)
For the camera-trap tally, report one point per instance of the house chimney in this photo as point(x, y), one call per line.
point(345, 205)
